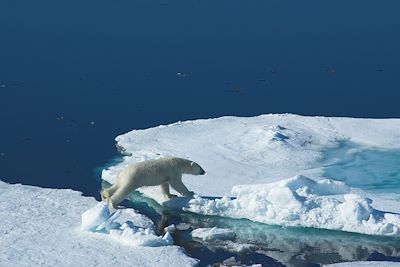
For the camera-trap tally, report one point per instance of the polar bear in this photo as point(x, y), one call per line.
point(164, 172)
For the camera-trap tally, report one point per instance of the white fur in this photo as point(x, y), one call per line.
point(164, 172)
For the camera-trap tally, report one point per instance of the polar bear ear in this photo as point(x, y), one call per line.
point(191, 163)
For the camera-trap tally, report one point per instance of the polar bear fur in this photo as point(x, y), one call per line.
point(164, 172)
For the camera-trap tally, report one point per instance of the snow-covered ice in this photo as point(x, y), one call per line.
point(170, 228)
point(299, 201)
point(215, 233)
point(42, 227)
point(133, 230)
point(247, 158)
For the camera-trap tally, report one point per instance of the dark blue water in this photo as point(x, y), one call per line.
point(135, 64)
point(75, 74)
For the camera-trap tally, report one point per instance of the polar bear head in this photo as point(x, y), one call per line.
point(195, 169)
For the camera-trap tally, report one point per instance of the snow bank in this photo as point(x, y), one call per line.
point(257, 152)
point(365, 264)
point(299, 201)
point(207, 234)
point(129, 232)
point(40, 227)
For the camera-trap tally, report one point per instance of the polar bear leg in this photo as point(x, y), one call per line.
point(108, 192)
point(178, 185)
point(165, 190)
point(119, 195)
point(111, 190)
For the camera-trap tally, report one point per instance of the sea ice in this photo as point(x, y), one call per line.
point(133, 230)
point(300, 201)
point(247, 157)
point(95, 216)
point(41, 227)
point(207, 234)
point(183, 226)
point(132, 236)
point(170, 229)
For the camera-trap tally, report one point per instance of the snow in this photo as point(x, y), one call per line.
point(42, 227)
point(299, 201)
point(252, 158)
point(240, 150)
point(129, 231)
point(95, 216)
point(365, 264)
point(207, 234)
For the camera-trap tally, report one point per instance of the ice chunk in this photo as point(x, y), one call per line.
point(41, 231)
point(208, 234)
point(239, 247)
point(300, 201)
point(356, 208)
point(139, 238)
point(183, 226)
point(230, 261)
point(139, 220)
point(284, 197)
point(168, 238)
point(95, 216)
point(170, 229)
point(124, 225)
point(110, 222)
point(259, 152)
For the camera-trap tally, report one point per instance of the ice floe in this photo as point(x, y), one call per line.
point(41, 227)
point(251, 158)
point(299, 201)
point(207, 234)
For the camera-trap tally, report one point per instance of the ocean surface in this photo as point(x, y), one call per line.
point(75, 74)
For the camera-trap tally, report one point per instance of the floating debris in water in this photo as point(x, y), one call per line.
point(60, 118)
point(330, 70)
point(92, 122)
point(182, 74)
point(2, 154)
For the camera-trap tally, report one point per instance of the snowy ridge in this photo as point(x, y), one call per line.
point(299, 201)
point(258, 152)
